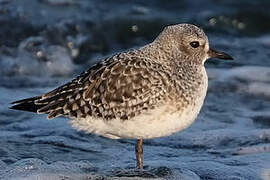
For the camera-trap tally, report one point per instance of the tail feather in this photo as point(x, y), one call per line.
point(52, 106)
point(27, 104)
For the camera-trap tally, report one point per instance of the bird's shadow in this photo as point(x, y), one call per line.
point(147, 172)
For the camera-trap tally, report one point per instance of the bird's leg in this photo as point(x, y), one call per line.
point(139, 153)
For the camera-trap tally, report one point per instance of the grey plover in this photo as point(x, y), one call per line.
point(149, 92)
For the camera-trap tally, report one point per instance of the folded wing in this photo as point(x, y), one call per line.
point(120, 87)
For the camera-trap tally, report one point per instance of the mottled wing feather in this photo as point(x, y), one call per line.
point(121, 87)
point(75, 83)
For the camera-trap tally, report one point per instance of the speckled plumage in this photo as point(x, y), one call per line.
point(149, 92)
point(121, 87)
point(128, 84)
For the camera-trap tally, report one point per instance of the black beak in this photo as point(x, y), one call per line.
point(220, 55)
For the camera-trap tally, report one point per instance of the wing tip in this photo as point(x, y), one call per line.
point(31, 99)
point(25, 104)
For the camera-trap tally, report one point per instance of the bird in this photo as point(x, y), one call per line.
point(149, 92)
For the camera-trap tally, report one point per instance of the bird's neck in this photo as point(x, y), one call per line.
point(159, 53)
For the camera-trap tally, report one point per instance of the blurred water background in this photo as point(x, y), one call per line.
point(45, 43)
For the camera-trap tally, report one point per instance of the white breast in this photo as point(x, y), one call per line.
point(161, 121)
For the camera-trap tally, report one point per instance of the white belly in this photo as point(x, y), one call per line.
point(161, 121)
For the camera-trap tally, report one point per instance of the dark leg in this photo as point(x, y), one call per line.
point(139, 153)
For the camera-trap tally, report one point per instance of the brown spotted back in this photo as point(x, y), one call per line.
point(120, 87)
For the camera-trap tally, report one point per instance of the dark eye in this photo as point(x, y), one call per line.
point(195, 44)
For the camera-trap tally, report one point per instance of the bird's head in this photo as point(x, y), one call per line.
point(191, 43)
